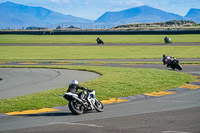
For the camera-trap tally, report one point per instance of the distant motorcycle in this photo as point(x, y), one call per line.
point(175, 65)
point(167, 40)
point(99, 41)
point(78, 106)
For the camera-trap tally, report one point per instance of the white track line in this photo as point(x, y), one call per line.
point(79, 124)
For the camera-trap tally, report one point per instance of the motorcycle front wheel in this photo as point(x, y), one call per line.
point(178, 66)
point(98, 106)
point(76, 108)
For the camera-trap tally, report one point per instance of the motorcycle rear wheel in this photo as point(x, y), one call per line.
point(76, 108)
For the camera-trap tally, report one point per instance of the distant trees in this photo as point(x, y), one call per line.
point(58, 27)
point(35, 28)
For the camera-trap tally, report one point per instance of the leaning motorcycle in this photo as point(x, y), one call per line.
point(100, 41)
point(168, 40)
point(88, 103)
point(175, 65)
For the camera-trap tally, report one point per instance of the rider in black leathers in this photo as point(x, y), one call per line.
point(99, 41)
point(167, 40)
point(73, 88)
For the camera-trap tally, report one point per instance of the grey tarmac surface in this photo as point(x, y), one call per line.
point(192, 69)
point(133, 60)
point(177, 112)
point(19, 82)
point(175, 121)
point(111, 60)
point(106, 44)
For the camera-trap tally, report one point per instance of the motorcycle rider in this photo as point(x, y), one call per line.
point(74, 86)
point(99, 40)
point(167, 60)
point(167, 40)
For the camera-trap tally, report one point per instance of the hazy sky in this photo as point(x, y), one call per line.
point(92, 9)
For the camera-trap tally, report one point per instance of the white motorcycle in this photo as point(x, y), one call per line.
point(88, 103)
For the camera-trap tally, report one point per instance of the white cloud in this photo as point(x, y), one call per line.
point(126, 2)
point(134, 2)
point(60, 1)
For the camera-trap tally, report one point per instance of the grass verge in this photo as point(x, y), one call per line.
point(114, 82)
point(91, 52)
point(92, 38)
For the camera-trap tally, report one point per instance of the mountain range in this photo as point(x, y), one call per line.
point(17, 16)
point(194, 15)
point(142, 14)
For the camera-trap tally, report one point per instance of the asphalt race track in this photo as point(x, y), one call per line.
point(107, 44)
point(175, 113)
point(19, 82)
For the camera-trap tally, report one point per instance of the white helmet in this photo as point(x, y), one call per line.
point(75, 82)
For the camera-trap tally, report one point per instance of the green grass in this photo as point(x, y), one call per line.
point(114, 82)
point(91, 52)
point(92, 38)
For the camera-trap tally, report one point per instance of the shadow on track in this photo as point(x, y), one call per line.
point(48, 114)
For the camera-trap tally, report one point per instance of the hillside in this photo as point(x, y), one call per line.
point(18, 16)
point(194, 15)
point(142, 14)
point(169, 25)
